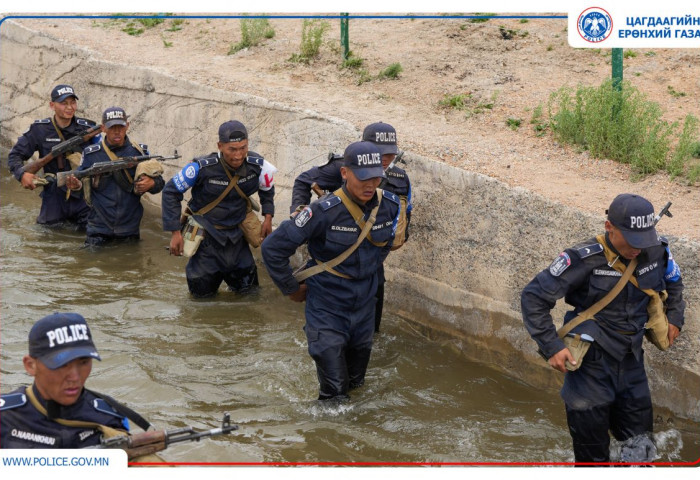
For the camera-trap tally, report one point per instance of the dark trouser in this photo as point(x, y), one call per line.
point(604, 396)
point(212, 264)
point(99, 240)
point(379, 306)
point(56, 209)
point(340, 342)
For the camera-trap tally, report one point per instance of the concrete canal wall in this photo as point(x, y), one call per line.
point(475, 242)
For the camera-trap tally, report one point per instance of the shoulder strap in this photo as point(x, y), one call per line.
point(600, 304)
point(124, 410)
point(328, 266)
point(107, 431)
point(232, 183)
point(357, 213)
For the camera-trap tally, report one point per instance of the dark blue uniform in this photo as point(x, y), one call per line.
point(116, 210)
point(610, 390)
point(328, 177)
point(224, 255)
point(41, 137)
point(339, 311)
point(23, 426)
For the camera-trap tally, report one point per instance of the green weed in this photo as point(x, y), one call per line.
point(674, 93)
point(481, 20)
point(457, 102)
point(513, 123)
point(312, 33)
point(392, 71)
point(253, 31)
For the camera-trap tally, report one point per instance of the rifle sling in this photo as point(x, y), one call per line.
point(589, 313)
point(357, 213)
point(122, 177)
point(124, 410)
point(61, 158)
point(232, 183)
point(106, 431)
point(328, 266)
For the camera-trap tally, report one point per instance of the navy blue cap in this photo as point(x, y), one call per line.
point(114, 116)
point(232, 131)
point(364, 159)
point(382, 135)
point(60, 338)
point(634, 216)
point(61, 92)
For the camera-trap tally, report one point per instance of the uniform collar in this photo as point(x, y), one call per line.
point(371, 203)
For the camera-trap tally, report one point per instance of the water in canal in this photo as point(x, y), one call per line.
point(181, 362)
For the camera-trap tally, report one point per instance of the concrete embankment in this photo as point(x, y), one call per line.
point(475, 242)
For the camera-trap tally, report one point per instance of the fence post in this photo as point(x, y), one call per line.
point(345, 35)
point(617, 68)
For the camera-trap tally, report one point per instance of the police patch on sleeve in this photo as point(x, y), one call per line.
point(560, 264)
point(303, 217)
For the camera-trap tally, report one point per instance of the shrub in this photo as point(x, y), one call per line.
point(253, 31)
point(458, 102)
point(312, 33)
point(392, 71)
point(621, 125)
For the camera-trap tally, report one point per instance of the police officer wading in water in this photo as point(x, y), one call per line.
point(57, 411)
point(349, 234)
point(222, 184)
point(328, 177)
point(56, 205)
point(607, 390)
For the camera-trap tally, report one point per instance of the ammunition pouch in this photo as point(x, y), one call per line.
point(402, 225)
point(657, 326)
point(151, 168)
point(74, 160)
point(192, 234)
point(578, 348)
point(252, 229)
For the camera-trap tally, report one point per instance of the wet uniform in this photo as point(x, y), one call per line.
point(224, 255)
point(328, 178)
point(116, 210)
point(339, 311)
point(23, 426)
point(41, 137)
point(610, 390)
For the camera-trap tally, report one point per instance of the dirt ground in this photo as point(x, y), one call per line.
point(439, 57)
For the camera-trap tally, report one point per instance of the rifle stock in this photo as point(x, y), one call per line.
point(60, 149)
point(106, 167)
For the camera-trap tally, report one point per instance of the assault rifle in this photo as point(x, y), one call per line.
point(106, 167)
point(61, 148)
point(664, 211)
point(147, 443)
point(397, 159)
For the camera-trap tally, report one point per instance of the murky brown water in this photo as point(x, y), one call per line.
point(184, 362)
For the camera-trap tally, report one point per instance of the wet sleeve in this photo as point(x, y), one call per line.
point(173, 193)
point(21, 152)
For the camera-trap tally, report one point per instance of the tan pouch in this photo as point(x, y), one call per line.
point(657, 326)
point(252, 229)
point(74, 160)
point(192, 234)
point(578, 349)
point(401, 225)
point(151, 168)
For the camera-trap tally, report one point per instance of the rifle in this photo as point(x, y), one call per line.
point(664, 211)
point(315, 187)
point(61, 148)
point(106, 167)
point(397, 159)
point(147, 443)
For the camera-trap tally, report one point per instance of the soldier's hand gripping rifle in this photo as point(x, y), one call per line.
point(147, 443)
point(63, 147)
point(105, 167)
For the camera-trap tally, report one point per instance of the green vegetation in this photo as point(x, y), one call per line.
point(253, 31)
point(629, 54)
point(312, 33)
point(352, 62)
point(166, 43)
point(537, 121)
point(458, 102)
point(623, 125)
point(392, 71)
point(175, 25)
point(524, 20)
point(674, 93)
point(513, 123)
point(508, 33)
point(481, 20)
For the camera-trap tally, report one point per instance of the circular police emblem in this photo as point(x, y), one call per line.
point(594, 24)
point(190, 172)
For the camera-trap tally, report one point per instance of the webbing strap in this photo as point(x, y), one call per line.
point(600, 304)
point(357, 213)
point(232, 183)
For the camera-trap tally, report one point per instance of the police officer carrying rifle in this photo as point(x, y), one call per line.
point(349, 234)
point(56, 205)
point(327, 177)
point(115, 198)
point(57, 411)
point(605, 388)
